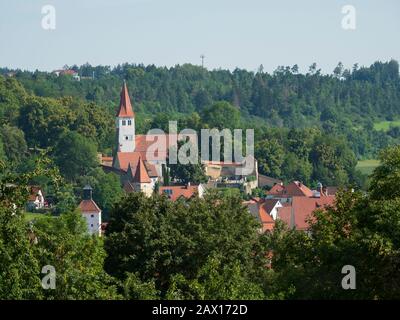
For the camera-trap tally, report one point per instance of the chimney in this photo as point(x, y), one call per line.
point(319, 187)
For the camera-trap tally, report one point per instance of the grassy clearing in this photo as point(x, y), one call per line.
point(367, 166)
point(385, 125)
point(29, 216)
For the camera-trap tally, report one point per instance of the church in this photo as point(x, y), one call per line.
point(139, 169)
point(140, 160)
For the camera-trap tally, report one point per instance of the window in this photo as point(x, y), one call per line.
point(128, 138)
point(129, 122)
point(91, 225)
point(92, 215)
point(124, 122)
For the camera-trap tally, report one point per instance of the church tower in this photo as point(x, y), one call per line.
point(125, 123)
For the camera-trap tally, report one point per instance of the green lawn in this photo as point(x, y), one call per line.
point(29, 216)
point(367, 166)
point(385, 125)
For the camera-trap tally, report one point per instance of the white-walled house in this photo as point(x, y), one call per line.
point(90, 211)
point(36, 198)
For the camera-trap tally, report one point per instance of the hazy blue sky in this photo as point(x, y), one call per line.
point(231, 33)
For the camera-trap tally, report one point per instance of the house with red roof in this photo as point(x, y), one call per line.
point(285, 192)
point(36, 198)
point(187, 192)
point(138, 179)
point(67, 72)
point(293, 203)
point(260, 210)
point(91, 212)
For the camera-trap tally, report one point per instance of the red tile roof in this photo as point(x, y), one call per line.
point(34, 191)
point(125, 109)
point(301, 209)
point(267, 221)
point(294, 188)
point(142, 145)
point(269, 204)
point(179, 191)
point(141, 175)
point(89, 206)
point(131, 158)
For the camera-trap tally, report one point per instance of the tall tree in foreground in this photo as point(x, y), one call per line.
point(176, 245)
point(75, 155)
point(63, 242)
point(20, 276)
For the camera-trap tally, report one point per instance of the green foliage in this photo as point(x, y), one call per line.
point(77, 257)
point(165, 241)
point(270, 156)
point(75, 155)
point(385, 177)
point(134, 289)
point(15, 147)
point(65, 199)
point(19, 265)
point(222, 115)
point(183, 173)
point(215, 282)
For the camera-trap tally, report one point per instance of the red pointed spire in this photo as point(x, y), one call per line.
point(125, 109)
point(141, 175)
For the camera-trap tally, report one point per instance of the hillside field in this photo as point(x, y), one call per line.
point(367, 166)
point(385, 125)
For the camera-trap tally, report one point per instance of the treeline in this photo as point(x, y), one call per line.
point(345, 102)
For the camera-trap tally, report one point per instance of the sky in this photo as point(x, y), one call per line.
point(230, 33)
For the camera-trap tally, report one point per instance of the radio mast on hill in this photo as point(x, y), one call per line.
point(202, 60)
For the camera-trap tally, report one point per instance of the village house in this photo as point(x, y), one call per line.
point(293, 203)
point(36, 199)
point(189, 191)
point(225, 174)
point(67, 72)
point(91, 212)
